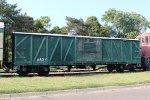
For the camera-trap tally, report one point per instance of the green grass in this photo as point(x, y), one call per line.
point(18, 84)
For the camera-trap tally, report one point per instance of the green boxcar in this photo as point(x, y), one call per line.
point(121, 51)
point(88, 50)
point(32, 49)
point(35, 49)
point(96, 50)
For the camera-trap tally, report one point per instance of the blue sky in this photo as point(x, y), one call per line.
point(57, 10)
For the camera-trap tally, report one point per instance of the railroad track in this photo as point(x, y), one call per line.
point(59, 72)
point(63, 72)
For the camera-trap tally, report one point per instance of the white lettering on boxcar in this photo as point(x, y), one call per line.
point(41, 59)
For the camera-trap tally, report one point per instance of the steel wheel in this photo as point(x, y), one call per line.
point(22, 73)
point(110, 68)
point(44, 71)
point(69, 68)
point(94, 67)
point(132, 68)
point(120, 68)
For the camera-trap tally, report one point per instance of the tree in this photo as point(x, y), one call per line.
point(56, 29)
point(93, 26)
point(42, 24)
point(125, 23)
point(132, 35)
point(38, 27)
point(13, 19)
point(23, 23)
point(105, 31)
point(45, 21)
point(64, 30)
point(90, 27)
point(8, 13)
point(76, 24)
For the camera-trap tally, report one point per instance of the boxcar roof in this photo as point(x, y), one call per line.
point(71, 35)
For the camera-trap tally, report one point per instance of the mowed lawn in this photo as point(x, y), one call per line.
point(18, 84)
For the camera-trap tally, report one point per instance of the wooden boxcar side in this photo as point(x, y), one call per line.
point(120, 51)
point(34, 51)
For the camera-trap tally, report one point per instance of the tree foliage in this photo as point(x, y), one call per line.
point(16, 21)
point(23, 23)
point(105, 31)
point(8, 11)
point(56, 29)
point(77, 25)
point(45, 21)
point(42, 24)
point(90, 27)
point(117, 23)
point(93, 26)
point(8, 14)
point(64, 30)
point(13, 19)
point(125, 23)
